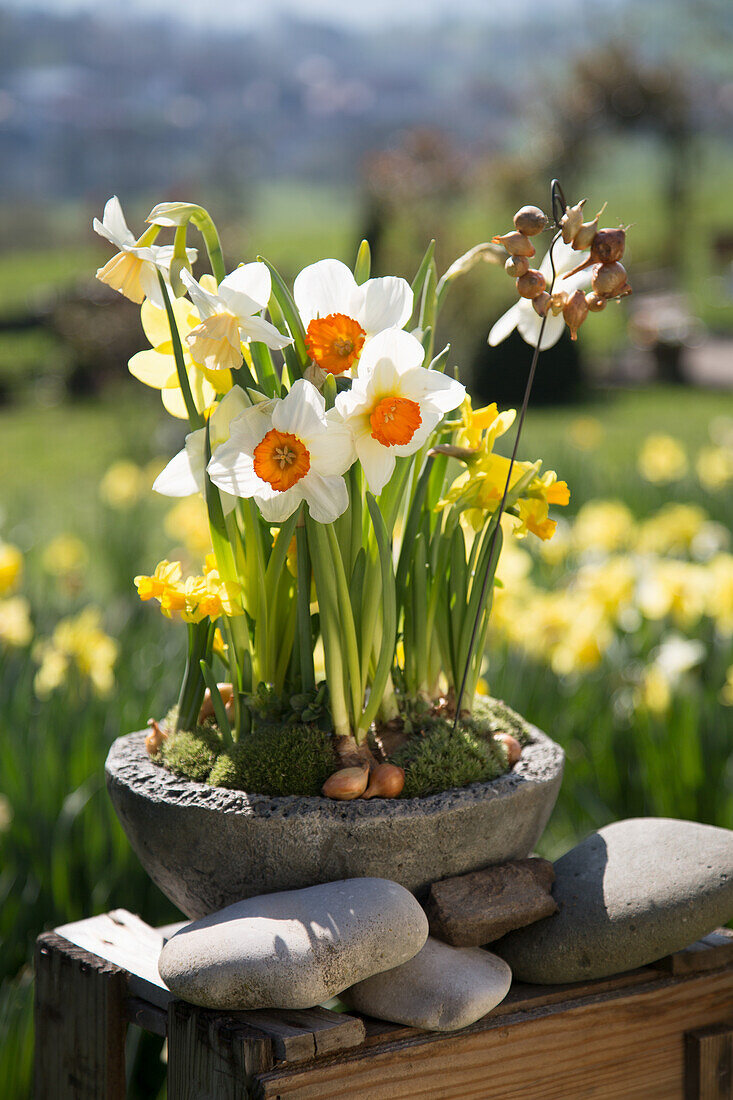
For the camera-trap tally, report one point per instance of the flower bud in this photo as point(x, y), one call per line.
point(595, 304)
point(557, 301)
point(516, 266)
point(530, 220)
point(608, 245)
point(346, 784)
point(155, 738)
point(516, 244)
point(531, 284)
point(512, 746)
point(386, 781)
point(571, 221)
point(608, 279)
point(541, 304)
point(575, 312)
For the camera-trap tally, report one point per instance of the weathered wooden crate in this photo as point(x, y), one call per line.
point(658, 1033)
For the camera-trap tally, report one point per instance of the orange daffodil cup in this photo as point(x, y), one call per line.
point(352, 492)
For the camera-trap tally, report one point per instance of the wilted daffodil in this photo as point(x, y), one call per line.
point(229, 316)
point(156, 367)
point(285, 451)
point(341, 317)
point(394, 403)
point(133, 271)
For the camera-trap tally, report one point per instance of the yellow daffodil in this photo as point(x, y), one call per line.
point(77, 642)
point(603, 525)
point(585, 433)
point(673, 529)
point(188, 521)
point(193, 598)
point(662, 459)
point(156, 367)
point(481, 427)
point(11, 567)
point(16, 628)
point(167, 574)
point(714, 468)
point(64, 556)
point(122, 486)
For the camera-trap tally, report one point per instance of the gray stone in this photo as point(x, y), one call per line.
point(628, 895)
point(294, 949)
point(480, 907)
point(207, 847)
point(441, 989)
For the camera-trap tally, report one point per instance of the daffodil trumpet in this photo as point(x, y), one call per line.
point(356, 503)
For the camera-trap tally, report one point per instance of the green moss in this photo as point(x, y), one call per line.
point(277, 760)
point(437, 759)
point(192, 755)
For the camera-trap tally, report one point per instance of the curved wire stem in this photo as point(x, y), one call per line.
point(558, 207)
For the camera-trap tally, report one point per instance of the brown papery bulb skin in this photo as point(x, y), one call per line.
point(575, 312)
point(571, 221)
point(595, 304)
point(512, 746)
point(531, 284)
point(386, 781)
point(516, 244)
point(516, 266)
point(207, 707)
point(346, 784)
point(541, 304)
point(530, 220)
point(608, 279)
point(608, 245)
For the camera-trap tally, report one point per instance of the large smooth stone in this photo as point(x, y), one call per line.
point(628, 895)
point(442, 988)
point(294, 949)
point(206, 847)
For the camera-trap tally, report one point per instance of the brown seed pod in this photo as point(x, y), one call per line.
point(531, 284)
point(386, 781)
point(541, 304)
point(571, 221)
point(608, 279)
point(516, 266)
point(608, 245)
point(595, 304)
point(516, 244)
point(346, 784)
point(575, 312)
point(530, 220)
point(624, 291)
point(155, 738)
point(512, 746)
point(584, 237)
point(207, 707)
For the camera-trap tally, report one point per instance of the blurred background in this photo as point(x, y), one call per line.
point(302, 127)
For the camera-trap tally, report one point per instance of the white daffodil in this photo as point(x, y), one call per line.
point(184, 474)
point(230, 315)
point(133, 271)
point(394, 403)
point(522, 315)
point(341, 316)
point(285, 451)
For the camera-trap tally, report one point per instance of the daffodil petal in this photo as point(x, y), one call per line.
point(504, 326)
point(302, 412)
point(325, 287)
point(327, 497)
point(377, 461)
point(386, 303)
point(441, 391)
point(153, 369)
point(256, 328)
point(403, 349)
point(178, 478)
point(279, 506)
point(247, 288)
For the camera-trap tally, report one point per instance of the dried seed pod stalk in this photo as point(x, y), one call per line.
point(575, 312)
point(531, 284)
point(530, 220)
point(516, 244)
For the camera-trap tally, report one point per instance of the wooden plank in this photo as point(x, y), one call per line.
point(709, 1063)
point(148, 1017)
point(212, 1056)
point(710, 953)
point(622, 1045)
point(129, 943)
point(80, 1023)
point(300, 1035)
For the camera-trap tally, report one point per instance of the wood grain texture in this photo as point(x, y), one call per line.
point(709, 1063)
point(621, 1045)
point(709, 953)
point(212, 1056)
point(300, 1035)
point(80, 1023)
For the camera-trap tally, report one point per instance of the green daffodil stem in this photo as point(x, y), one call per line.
point(330, 632)
point(305, 630)
point(195, 418)
point(494, 546)
point(192, 687)
point(203, 222)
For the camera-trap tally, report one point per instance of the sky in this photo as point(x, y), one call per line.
point(240, 13)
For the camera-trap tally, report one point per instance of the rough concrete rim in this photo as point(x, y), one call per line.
point(129, 765)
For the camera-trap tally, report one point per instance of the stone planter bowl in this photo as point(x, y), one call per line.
point(206, 847)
